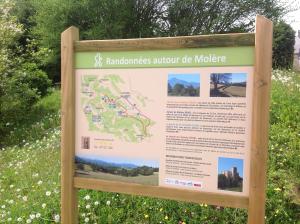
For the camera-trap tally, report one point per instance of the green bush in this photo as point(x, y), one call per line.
point(18, 93)
point(283, 45)
point(34, 77)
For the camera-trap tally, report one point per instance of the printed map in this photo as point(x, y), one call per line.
point(112, 108)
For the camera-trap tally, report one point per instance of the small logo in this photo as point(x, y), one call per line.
point(98, 60)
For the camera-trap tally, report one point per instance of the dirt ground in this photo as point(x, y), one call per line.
point(228, 91)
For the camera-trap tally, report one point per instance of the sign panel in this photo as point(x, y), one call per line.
point(175, 118)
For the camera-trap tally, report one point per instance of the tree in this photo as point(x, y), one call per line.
point(192, 17)
point(219, 78)
point(283, 45)
point(170, 89)
point(105, 19)
point(177, 89)
point(22, 83)
point(110, 19)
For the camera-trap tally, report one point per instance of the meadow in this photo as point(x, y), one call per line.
point(30, 173)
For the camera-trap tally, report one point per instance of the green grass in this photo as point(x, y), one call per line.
point(30, 169)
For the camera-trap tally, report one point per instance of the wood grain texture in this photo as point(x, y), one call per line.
point(260, 120)
point(162, 192)
point(217, 40)
point(68, 192)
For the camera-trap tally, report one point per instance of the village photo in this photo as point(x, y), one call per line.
point(230, 174)
point(228, 84)
point(118, 169)
point(184, 85)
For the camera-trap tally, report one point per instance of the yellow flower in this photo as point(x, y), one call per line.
point(277, 189)
point(160, 209)
point(146, 216)
point(166, 217)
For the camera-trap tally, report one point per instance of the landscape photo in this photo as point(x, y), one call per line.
point(118, 169)
point(184, 85)
point(230, 174)
point(228, 84)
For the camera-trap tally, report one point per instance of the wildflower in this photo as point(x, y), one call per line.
point(11, 201)
point(32, 216)
point(108, 203)
point(146, 216)
point(28, 221)
point(19, 219)
point(38, 215)
point(11, 186)
point(40, 182)
point(277, 189)
point(160, 209)
point(9, 219)
point(43, 205)
point(86, 219)
point(88, 206)
point(87, 197)
point(56, 218)
point(166, 217)
point(25, 198)
point(96, 203)
point(48, 193)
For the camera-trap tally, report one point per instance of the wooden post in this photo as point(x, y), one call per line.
point(260, 120)
point(68, 191)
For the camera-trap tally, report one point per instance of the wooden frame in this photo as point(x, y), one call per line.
point(255, 203)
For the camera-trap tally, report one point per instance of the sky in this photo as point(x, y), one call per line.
point(293, 18)
point(227, 163)
point(238, 77)
point(186, 77)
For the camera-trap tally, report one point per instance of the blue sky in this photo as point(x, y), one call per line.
point(239, 77)
point(135, 161)
point(186, 77)
point(235, 77)
point(227, 163)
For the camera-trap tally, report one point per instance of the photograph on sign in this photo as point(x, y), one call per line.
point(173, 118)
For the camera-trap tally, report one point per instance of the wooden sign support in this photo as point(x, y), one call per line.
point(255, 203)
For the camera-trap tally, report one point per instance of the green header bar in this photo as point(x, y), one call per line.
point(192, 57)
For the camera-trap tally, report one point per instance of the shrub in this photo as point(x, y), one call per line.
point(283, 45)
point(34, 77)
point(18, 93)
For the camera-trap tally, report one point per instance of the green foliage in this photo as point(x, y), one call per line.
point(35, 78)
point(35, 123)
point(283, 45)
point(18, 93)
point(192, 17)
point(111, 19)
point(181, 90)
point(22, 82)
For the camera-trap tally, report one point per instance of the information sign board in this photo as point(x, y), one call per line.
point(181, 118)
